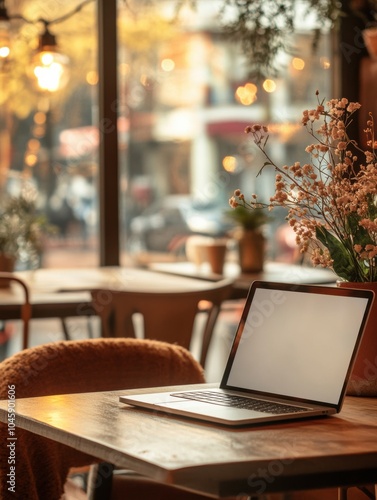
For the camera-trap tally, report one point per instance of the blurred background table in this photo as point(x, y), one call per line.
point(66, 292)
point(273, 271)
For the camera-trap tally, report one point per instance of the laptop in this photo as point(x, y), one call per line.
point(291, 358)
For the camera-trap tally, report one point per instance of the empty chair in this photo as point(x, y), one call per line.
point(167, 316)
point(6, 280)
point(81, 366)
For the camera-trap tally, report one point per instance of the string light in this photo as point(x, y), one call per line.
point(49, 66)
point(4, 32)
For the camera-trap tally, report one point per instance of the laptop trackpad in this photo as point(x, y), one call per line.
point(212, 410)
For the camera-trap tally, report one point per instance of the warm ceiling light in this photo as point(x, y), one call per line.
point(325, 62)
point(298, 63)
point(4, 32)
point(229, 164)
point(167, 64)
point(49, 67)
point(269, 85)
point(39, 118)
point(4, 41)
point(92, 77)
point(31, 159)
point(247, 94)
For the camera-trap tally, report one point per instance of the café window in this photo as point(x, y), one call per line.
point(184, 100)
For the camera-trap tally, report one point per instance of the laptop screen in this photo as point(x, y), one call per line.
point(297, 341)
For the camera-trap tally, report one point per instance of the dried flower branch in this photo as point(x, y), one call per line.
point(332, 200)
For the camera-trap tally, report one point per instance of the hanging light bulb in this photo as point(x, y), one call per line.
point(4, 41)
point(4, 32)
point(49, 67)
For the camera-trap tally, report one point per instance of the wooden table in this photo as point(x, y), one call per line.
point(64, 293)
point(61, 293)
point(317, 453)
point(273, 271)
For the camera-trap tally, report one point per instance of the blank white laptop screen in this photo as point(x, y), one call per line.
point(287, 348)
point(295, 344)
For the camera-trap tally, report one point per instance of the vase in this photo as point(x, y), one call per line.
point(216, 253)
point(251, 251)
point(363, 380)
point(370, 40)
point(6, 266)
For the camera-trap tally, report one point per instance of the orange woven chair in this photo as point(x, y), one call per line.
point(84, 366)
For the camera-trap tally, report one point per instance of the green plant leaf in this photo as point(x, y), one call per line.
point(360, 236)
point(343, 264)
point(249, 218)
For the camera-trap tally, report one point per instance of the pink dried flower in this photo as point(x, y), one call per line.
point(331, 201)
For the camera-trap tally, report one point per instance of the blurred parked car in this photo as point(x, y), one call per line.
point(165, 225)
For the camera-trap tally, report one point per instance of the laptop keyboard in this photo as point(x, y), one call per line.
point(239, 402)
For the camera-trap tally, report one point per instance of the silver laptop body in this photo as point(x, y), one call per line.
point(293, 352)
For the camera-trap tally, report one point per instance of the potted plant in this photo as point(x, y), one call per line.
point(331, 204)
point(22, 231)
point(250, 238)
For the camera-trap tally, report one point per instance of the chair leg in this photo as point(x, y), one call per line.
point(369, 491)
point(66, 332)
point(342, 493)
point(100, 481)
point(90, 327)
point(65, 329)
point(208, 332)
